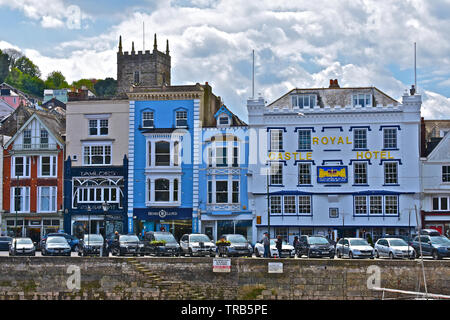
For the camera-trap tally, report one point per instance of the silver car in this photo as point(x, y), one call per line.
point(91, 244)
point(197, 244)
point(354, 248)
point(22, 246)
point(393, 248)
point(56, 246)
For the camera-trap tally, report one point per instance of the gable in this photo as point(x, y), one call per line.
point(442, 151)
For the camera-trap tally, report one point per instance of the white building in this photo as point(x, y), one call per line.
point(340, 159)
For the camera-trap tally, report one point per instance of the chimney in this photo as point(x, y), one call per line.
point(334, 83)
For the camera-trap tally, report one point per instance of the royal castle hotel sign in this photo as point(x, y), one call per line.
point(341, 161)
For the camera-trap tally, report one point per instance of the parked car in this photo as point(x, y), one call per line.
point(71, 240)
point(430, 232)
point(22, 246)
point(354, 248)
point(239, 245)
point(406, 238)
point(315, 246)
point(170, 247)
point(5, 242)
point(394, 248)
point(56, 246)
point(197, 244)
point(434, 245)
point(287, 251)
point(91, 244)
point(127, 244)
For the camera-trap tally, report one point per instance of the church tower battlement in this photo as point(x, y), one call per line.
point(149, 68)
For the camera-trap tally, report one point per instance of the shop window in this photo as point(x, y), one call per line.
point(97, 154)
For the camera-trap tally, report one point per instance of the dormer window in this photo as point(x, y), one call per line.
point(181, 119)
point(223, 120)
point(147, 119)
point(304, 101)
point(364, 100)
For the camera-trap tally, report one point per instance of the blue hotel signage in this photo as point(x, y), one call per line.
point(149, 214)
point(332, 174)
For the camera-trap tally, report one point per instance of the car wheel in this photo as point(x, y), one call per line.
point(332, 256)
point(391, 255)
point(436, 255)
point(350, 255)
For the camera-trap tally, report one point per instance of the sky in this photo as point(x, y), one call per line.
point(297, 43)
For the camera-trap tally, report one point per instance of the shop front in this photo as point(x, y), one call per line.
point(177, 221)
point(215, 225)
point(32, 227)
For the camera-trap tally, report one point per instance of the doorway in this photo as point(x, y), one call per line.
point(34, 234)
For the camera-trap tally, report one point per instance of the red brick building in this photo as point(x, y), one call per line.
point(33, 166)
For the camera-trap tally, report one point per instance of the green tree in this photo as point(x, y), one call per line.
point(56, 80)
point(105, 88)
point(25, 82)
point(27, 67)
point(15, 78)
point(4, 66)
point(88, 83)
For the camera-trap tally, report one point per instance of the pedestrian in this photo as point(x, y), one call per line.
point(266, 242)
point(296, 244)
point(279, 245)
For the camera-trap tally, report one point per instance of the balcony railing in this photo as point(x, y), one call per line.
point(36, 146)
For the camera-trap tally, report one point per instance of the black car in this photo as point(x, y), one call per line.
point(5, 242)
point(160, 244)
point(433, 244)
point(315, 246)
point(91, 244)
point(127, 244)
point(239, 246)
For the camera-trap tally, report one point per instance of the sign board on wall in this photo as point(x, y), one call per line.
point(332, 174)
point(275, 267)
point(221, 265)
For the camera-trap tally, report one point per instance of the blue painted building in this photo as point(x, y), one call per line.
point(165, 156)
point(223, 198)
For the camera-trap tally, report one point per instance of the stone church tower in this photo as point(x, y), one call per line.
point(142, 69)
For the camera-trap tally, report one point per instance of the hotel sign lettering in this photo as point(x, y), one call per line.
point(333, 174)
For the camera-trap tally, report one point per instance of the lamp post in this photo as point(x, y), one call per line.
point(89, 220)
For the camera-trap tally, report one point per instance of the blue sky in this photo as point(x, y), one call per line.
point(297, 43)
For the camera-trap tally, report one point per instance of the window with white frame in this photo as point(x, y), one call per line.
point(361, 205)
point(147, 119)
point(275, 205)
point(21, 167)
point(98, 194)
point(360, 172)
point(27, 139)
point(389, 138)
point(304, 140)
point(304, 205)
point(210, 192)
point(98, 127)
point(445, 173)
point(176, 153)
point(96, 155)
point(276, 140)
point(304, 173)
point(20, 199)
point(376, 204)
point(235, 195)
point(162, 190)
point(304, 100)
point(360, 138)
point(175, 190)
point(48, 166)
point(276, 173)
point(221, 156)
point(363, 100)
point(47, 199)
point(162, 153)
point(222, 191)
point(44, 138)
point(391, 173)
point(289, 205)
point(224, 120)
point(391, 205)
point(440, 203)
point(181, 118)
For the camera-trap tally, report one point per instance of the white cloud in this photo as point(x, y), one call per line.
point(435, 106)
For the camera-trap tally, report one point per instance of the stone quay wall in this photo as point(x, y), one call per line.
point(55, 278)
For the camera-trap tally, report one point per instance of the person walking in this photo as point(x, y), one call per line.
point(279, 245)
point(266, 243)
point(296, 244)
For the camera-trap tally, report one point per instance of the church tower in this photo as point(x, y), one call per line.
point(147, 68)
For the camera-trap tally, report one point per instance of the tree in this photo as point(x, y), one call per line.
point(25, 82)
point(4, 66)
point(56, 80)
point(88, 83)
point(27, 67)
point(13, 56)
point(105, 88)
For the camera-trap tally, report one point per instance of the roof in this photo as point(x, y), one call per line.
point(53, 103)
point(235, 120)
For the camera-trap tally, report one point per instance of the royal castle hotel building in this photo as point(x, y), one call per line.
point(341, 162)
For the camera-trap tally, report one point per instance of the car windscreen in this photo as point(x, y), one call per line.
point(236, 238)
point(93, 237)
point(24, 241)
point(128, 239)
point(5, 239)
point(167, 237)
point(397, 243)
point(57, 240)
point(440, 240)
point(359, 242)
point(199, 238)
point(318, 240)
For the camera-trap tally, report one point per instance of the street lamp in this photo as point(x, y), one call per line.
point(89, 219)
